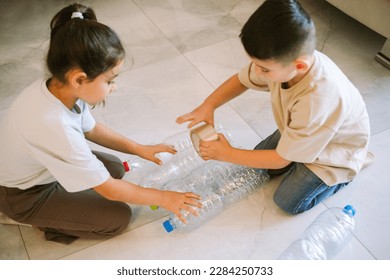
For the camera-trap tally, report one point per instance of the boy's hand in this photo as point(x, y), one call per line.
point(177, 201)
point(149, 152)
point(203, 113)
point(217, 150)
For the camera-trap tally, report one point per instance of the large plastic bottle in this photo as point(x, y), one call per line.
point(136, 163)
point(179, 165)
point(234, 182)
point(219, 184)
point(211, 206)
point(325, 237)
point(136, 167)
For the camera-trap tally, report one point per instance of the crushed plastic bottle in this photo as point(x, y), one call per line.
point(325, 237)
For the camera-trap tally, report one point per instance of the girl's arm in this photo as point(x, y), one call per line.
point(119, 190)
point(106, 137)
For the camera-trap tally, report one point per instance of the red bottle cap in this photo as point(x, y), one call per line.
point(126, 166)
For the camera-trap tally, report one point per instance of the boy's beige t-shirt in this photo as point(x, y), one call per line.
point(323, 120)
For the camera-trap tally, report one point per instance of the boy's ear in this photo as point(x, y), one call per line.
point(301, 64)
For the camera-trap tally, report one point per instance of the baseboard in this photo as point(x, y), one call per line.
point(383, 59)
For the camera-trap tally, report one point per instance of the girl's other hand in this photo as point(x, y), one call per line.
point(149, 152)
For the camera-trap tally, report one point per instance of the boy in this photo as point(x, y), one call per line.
point(323, 126)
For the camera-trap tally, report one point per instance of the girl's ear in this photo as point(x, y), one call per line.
point(76, 77)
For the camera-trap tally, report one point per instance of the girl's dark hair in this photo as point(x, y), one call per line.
point(84, 43)
point(280, 30)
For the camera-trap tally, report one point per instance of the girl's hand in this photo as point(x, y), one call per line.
point(203, 113)
point(149, 152)
point(217, 150)
point(177, 201)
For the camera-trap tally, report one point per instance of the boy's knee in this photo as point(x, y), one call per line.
point(286, 205)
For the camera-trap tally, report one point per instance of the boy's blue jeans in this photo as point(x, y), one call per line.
point(300, 189)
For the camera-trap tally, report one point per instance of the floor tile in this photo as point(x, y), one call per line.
point(11, 243)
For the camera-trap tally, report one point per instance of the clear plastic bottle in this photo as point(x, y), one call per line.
point(235, 182)
point(211, 206)
point(325, 237)
point(219, 184)
point(136, 163)
point(136, 167)
point(179, 165)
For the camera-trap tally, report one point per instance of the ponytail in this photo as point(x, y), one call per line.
point(77, 39)
point(66, 13)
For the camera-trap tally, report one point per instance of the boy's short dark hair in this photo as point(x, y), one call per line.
point(279, 29)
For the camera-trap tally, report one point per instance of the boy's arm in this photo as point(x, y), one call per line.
point(223, 151)
point(119, 190)
point(227, 91)
point(268, 159)
point(230, 89)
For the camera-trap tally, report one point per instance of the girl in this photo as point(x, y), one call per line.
point(49, 177)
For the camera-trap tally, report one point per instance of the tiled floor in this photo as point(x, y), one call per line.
point(182, 50)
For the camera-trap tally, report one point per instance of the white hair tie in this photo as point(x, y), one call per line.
point(77, 15)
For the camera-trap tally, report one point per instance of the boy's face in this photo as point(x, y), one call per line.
point(274, 71)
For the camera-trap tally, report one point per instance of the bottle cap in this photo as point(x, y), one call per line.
point(348, 209)
point(168, 226)
point(126, 166)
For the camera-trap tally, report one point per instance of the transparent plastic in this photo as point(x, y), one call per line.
point(221, 184)
point(211, 206)
point(325, 237)
point(136, 167)
point(136, 163)
point(179, 165)
point(234, 182)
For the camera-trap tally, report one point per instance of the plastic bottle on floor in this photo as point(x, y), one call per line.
point(136, 163)
point(325, 237)
point(234, 182)
point(179, 165)
point(211, 206)
point(219, 184)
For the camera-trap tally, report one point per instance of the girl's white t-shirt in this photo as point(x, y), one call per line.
point(322, 119)
point(42, 141)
